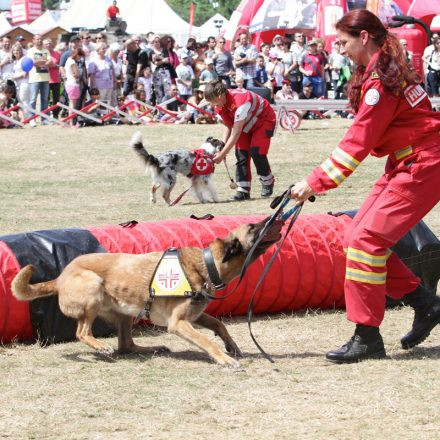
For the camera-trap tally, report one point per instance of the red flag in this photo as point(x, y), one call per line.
point(191, 16)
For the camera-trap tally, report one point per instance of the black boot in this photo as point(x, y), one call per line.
point(426, 306)
point(266, 190)
point(366, 343)
point(240, 196)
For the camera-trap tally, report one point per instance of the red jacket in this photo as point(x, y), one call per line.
point(259, 112)
point(384, 124)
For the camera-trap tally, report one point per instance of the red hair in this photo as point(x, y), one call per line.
point(391, 65)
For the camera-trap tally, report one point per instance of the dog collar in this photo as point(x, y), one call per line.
point(212, 270)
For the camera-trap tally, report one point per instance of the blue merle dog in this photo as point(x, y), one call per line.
point(196, 165)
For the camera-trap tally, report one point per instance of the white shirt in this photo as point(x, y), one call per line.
point(185, 73)
point(7, 70)
point(70, 79)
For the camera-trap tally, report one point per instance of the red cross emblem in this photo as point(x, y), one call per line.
point(168, 279)
point(201, 164)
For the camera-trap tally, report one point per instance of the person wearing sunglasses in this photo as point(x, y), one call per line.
point(223, 64)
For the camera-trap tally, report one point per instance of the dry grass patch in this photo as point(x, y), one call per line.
point(58, 178)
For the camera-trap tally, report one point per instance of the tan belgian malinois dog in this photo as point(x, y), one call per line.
point(115, 287)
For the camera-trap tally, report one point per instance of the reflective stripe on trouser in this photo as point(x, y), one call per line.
point(243, 171)
point(399, 199)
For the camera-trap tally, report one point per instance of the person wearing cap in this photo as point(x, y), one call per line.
point(249, 123)
point(208, 73)
point(74, 43)
point(277, 48)
point(393, 119)
point(275, 71)
point(245, 59)
point(312, 67)
point(185, 77)
point(21, 40)
point(286, 92)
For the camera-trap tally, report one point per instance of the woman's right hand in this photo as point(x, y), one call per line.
point(301, 191)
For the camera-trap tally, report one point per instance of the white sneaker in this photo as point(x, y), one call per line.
point(33, 123)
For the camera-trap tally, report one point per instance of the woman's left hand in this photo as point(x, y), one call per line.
point(219, 157)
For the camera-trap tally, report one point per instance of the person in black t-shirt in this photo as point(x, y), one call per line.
point(137, 60)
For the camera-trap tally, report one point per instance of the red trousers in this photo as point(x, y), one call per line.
point(407, 191)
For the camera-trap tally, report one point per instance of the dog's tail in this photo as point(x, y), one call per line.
point(24, 291)
point(138, 147)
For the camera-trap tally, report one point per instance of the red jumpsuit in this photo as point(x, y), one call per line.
point(404, 128)
point(254, 140)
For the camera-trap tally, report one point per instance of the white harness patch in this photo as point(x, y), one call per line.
point(169, 279)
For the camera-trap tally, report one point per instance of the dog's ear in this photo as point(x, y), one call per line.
point(219, 144)
point(210, 139)
point(232, 249)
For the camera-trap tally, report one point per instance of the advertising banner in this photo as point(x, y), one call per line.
point(25, 11)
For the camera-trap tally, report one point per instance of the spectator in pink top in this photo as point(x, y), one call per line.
point(54, 75)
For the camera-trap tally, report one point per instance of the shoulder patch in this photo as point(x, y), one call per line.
point(374, 75)
point(372, 97)
point(414, 94)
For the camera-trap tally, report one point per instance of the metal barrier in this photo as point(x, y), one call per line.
point(289, 112)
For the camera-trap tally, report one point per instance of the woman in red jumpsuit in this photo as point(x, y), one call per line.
point(393, 118)
point(249, 124)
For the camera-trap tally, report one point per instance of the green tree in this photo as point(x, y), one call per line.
point(50, 4)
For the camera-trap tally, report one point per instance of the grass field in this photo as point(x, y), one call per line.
point(58, 178)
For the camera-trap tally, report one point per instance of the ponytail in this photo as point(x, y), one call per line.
point(391, 65)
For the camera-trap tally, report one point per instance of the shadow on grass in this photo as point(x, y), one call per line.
point(418, 353)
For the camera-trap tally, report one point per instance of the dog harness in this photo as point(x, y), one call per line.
point(170, 280)
point(202, 164)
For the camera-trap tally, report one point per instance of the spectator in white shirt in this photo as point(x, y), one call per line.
point(185, 77)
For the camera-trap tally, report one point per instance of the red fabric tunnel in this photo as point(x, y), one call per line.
point(308, 272)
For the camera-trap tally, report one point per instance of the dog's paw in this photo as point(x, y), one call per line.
point(229, 362)
point(106, 350)
point(162, 350)
point(234, 350)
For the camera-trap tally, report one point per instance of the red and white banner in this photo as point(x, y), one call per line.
point(25, 11)
point(329, 12)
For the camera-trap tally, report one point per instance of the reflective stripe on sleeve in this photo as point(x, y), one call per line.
point(345, 159)
point(333, 171)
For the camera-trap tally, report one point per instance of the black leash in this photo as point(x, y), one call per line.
point(294, 212)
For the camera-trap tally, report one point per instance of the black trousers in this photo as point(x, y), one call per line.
point(243, 168)
point(54, 97)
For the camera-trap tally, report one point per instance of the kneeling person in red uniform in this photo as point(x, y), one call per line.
point(249, 124)
point(393, 118)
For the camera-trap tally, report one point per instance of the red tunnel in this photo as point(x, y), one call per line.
point(308, 272)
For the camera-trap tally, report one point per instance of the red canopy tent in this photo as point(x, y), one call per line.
point(266, 18)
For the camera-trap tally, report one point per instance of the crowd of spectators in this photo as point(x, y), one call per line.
point(153, 69)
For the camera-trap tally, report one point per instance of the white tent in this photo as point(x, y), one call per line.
point(141, 16)
point(211, 28)
point(44, 23)
point(86, 14)
point(4, 24)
